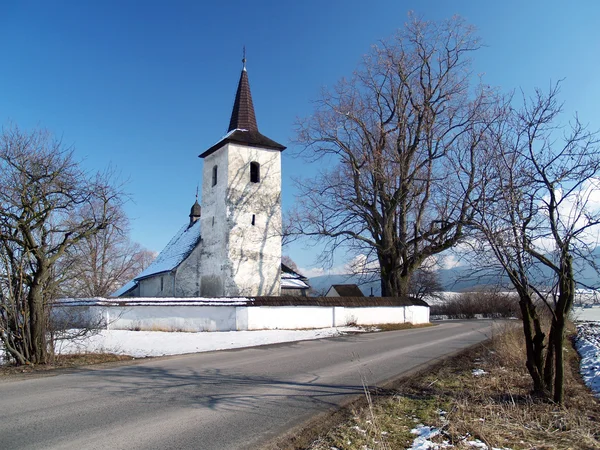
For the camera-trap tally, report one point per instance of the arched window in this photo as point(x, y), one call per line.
point(254, 172)
point(214, 176)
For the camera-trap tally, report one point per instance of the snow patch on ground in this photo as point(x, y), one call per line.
point(424, 436)
point(588, 346)
point(140, 344)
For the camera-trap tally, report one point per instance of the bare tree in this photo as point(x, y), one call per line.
point(538, 222)
point(288, 261)
point(48, 203)
point(400, 139)
point(425, 282)
point(99, 264)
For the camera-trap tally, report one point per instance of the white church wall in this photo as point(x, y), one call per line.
point(160, 285)
point(189, 274)
point(254, 215)
point(214, 226)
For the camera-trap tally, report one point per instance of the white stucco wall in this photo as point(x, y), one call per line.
point(171, 318)
point(370, 316)
point(295, 317)
point(188, 276)
point(151, 286)
point(289, 317)
point(417, 314)
point(213, 223)
point(238, 257)
point(231, 317)
point(254, 249)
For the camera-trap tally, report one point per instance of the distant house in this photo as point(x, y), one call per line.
point(344, 290)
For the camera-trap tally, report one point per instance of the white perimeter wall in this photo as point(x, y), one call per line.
point(228, 318)
point(167, 318)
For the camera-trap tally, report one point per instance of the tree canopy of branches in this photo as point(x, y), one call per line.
point(538, 218)
point(48, 204)
point(99, 264)
point(400, 139)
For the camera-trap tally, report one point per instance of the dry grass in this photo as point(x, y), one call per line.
point(64, 362)
point(495, 407)
point(399, 326)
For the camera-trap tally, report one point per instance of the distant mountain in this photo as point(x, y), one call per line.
point(450, 279)
point(457, 279)
point(322, 283)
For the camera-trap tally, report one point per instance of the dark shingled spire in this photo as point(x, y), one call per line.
point(242, 125)
point(242, 116)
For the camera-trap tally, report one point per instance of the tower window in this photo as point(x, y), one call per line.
point(253, 219)
point(254, 172)
point(214, 176)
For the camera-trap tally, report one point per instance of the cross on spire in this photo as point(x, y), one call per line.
point(242, 115)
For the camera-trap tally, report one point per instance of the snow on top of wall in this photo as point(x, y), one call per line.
point(154, 301)
point(174, 253)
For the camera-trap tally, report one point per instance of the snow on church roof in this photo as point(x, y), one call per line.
point(291, 279)
point(174, 253)
point(293, 283)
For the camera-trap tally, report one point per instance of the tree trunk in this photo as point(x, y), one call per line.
point(534, 345)
point(391, 281)
point(550, 359)
point(37, 324)
point(559, 337)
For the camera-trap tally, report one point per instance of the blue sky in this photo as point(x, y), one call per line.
point(146, 86)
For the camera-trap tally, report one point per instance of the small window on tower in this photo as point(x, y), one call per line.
point(253, 219)
point(254, 172)
point(214, 177)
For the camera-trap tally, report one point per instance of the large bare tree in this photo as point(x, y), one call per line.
point(538, 220)
point(48, 203)
point(399, 141)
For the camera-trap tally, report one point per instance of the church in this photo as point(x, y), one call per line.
point(231, 245)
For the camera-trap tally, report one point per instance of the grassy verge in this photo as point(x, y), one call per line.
point(398, 326)
point(65, 362)
point(494, 407)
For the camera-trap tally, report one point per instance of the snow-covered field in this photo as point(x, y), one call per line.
point(141, 344)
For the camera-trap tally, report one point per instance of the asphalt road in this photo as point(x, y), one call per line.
point(236, 399)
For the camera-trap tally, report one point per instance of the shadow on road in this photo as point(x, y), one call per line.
point(213, 388)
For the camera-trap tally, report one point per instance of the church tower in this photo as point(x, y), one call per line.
point(241, 207)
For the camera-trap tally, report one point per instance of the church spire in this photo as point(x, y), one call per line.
point(243, 116)
point(243, 129)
